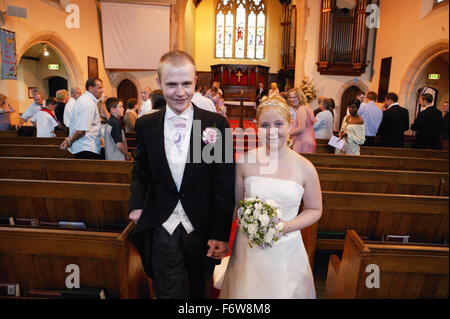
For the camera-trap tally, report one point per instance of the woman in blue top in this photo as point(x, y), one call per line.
point(323, 128)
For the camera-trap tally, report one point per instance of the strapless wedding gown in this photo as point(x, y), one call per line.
point(280, 272)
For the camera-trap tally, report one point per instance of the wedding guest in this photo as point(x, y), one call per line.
point(323, 128)
point(260, 92)
point(303, 127)
point(293, 180)
point(45, 120)
point(428, 125)
point(131, 115)
point(62, 97)
point(116, 148)
point(85, 132)
point(202, 102)
point(75, 93)
point(372, 117)
point(5, 110)
point(146, 106)
point(319, 109)
point(352, 131)
point(32, 109)
point(158, 100)
point(394, 123)
point(273, 89)
point(445, 122)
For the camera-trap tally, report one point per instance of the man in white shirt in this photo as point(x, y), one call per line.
point(75, 93)
point(32, 109)
point(372, 116)
point(85, 135)
point(146, 106)
point(202, 102)
point(45, 119)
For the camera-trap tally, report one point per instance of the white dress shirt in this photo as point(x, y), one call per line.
point(68, 110)
point(31, 111)
point(85, 117)
point(177, 162)
point(146, 107)
point(45, 124)
point(203, 102)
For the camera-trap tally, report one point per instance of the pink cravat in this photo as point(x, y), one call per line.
point(180, 126)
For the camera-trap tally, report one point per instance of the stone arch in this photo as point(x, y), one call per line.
point(51, 38)
point(125, 76)
point(361, 85)
point(416, 67)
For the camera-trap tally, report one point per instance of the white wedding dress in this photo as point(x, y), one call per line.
point(280, 272)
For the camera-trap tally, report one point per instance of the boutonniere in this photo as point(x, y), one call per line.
point(210, 135)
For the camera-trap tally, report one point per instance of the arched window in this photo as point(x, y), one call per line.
point(240, 29)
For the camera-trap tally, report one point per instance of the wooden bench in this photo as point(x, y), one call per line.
point(379, 162)
point(389, 151)
point(383, 181)
point(51, 151)
point(424, 218)
point(37, 257)
point(332, 179)
point(63, 169)
point(405, 271)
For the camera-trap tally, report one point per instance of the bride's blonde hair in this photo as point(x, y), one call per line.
point(276, 103)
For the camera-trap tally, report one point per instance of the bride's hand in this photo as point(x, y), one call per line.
point(286, 229)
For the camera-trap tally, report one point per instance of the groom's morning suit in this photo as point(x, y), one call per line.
point(200, 198)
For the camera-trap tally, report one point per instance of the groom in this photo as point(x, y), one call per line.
point(183, 207)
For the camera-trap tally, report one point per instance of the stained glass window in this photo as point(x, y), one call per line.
point(240, 29)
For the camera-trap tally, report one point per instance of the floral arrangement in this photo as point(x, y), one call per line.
point(308, 89)
point(260, 221)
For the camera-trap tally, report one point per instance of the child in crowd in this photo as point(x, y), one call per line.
point(45, 119)
point(116, 148)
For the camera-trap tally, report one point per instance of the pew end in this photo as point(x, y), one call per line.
point(405, 271)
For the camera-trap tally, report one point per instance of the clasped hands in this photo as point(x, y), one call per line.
point(217, 249)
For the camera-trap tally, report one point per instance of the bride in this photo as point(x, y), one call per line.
point(274, 172)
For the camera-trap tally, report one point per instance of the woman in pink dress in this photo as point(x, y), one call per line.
point(302, 131)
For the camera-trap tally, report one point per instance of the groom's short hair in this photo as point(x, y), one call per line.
point(175, 58)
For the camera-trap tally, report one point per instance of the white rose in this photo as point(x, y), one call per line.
point(271, 231)
point(252, 229)
point(258, 206)
point(268, 238)
point(247, 212)
point(271, 202)
point(264, 219)
point(279, 214)
point(279, 226)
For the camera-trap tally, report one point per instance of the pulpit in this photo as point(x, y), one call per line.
point(240, 82)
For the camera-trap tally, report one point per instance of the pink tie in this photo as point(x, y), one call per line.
point(180, 125)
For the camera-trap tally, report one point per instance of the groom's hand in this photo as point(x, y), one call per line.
point(217, 249)
point(135, 215)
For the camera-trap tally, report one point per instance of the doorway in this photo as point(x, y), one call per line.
point(348, 96)
point(126, 90)
point(56, 83)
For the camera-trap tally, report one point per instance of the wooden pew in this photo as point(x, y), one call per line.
point(379, 162)
point(332, 179)
point(31, 140)
point(424, 218)
point(389, 151)
point(408, 141)
point(15, 150)
point(37, 257)
point(62, 169)
point(405, 271)
point(383, 181)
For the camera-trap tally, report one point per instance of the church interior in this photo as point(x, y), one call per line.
point(335, 48)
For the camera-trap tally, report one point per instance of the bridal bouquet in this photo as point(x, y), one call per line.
point(260, 221)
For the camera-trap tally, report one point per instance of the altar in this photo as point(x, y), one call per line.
point(239, 80)
point(234, 109)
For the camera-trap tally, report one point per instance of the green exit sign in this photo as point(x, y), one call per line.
point(436, 76)
point(53, 66)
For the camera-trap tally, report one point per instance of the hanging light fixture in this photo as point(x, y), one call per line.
point(46, 53)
